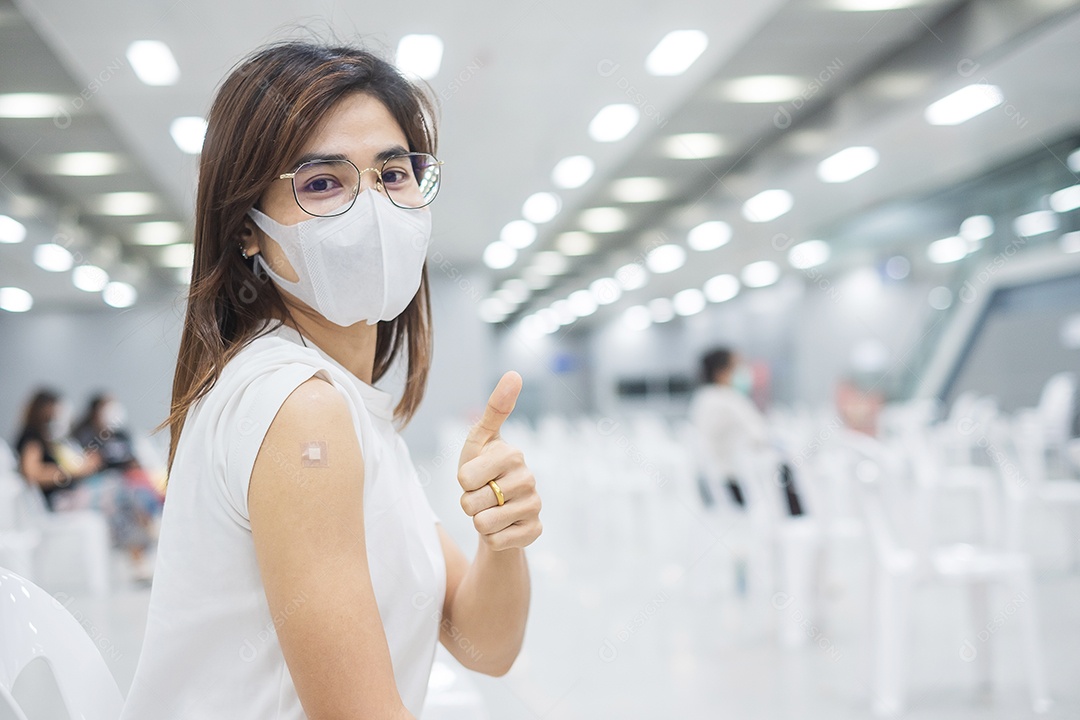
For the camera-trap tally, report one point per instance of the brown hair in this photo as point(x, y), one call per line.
point(37, 412)
point(263, 114)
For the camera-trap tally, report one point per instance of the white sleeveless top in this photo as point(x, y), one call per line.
point(211, 651)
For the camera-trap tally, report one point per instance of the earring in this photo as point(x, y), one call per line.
point(243, 252)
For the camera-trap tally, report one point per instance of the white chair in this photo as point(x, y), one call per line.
point(1057, 408)
point(895, 508)
point(35, 625)
point(52, 548)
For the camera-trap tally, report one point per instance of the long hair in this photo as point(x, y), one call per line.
point(37, 413)
point(264, 113)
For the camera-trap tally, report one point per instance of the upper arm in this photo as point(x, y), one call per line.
point(307, 523)
point(31, 460)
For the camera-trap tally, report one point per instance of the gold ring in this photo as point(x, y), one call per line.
point(498, 492)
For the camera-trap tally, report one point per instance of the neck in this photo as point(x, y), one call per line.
point(353, 346)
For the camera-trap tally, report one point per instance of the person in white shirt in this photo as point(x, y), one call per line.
point(301, 572)
point(725, 420)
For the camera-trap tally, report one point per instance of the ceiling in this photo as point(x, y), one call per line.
point(518, 86)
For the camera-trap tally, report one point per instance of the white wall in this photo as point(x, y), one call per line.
point(129, 353)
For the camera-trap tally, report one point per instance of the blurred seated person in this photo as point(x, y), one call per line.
point(43, 458)
point(102, 430)
point(728, 423)
point(73, 479)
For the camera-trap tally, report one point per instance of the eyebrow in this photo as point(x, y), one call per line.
point(380, 157)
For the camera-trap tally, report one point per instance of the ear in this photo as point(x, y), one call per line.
point(249, 237)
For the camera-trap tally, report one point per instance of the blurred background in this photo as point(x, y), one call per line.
point(874, 204)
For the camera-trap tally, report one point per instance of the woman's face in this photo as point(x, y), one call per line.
point(360, 128)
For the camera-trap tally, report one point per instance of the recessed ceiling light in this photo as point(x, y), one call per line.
point(582, 303)
point(603, 219)
point(606, 290)
point(499, 255)
point(493, 310)
point(808, 254)
point(180, 255)
point(847, 164)
point(541, 207)
point(873, 5)
point(517, 290)
point(767, 205)
point(119, 295)
point(1066, 199)
point(573, 172)
point(83, 164)
point(1070, 242)
point(14, 299)
point(33, 105)
point(188, 133)
point(676, 52)
point(940, 298)
point(947, 250)
point(763, 89)
point(1073, 161)
point(153, 62)
point(125, 203)
point(613, 122)
point(420, 55)
point(709, 236)
point(665, 258)
point(518, 234)
point(639, 189)
point(563, 312)
point(897, 267)
point(575, 243)
point(760, 274)
point(1035, 223)
point(964, 104)
point(11, 230)
point(159, 232)
point(637, 317)
point(977, 227)
point(53, 258)
point(631, 276)
point(549, 320)
point(661, 310)
point(550, 263)
point(688, 302)
point(89, 278)
point(692, 146)
point(721, 288)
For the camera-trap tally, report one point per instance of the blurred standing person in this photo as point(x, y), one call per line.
point(43, 460)
point(725, 420)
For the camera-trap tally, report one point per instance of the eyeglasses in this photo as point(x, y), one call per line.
point(327, 188)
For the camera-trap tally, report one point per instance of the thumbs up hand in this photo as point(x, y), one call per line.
point(512, 520)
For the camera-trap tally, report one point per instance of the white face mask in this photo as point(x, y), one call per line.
point(362, 265)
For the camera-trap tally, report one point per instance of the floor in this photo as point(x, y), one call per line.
point(642, 608)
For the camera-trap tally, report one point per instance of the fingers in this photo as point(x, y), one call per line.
point(518, 535)
point(497, 459)
point(515, 486)
point(499, 406)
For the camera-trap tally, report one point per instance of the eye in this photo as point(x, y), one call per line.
point(396, 176)
point(321, 184)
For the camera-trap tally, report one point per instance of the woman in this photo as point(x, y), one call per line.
point(301, 572)
point(42, 458)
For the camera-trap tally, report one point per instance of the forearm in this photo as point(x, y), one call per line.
point(486, 622)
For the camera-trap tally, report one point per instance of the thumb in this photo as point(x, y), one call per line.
point(499, 406)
